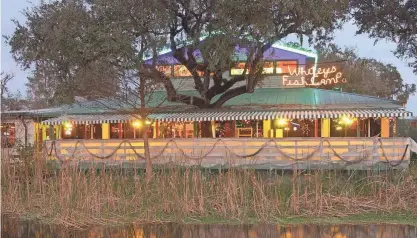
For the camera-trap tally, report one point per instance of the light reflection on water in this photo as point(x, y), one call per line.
point(14, 228)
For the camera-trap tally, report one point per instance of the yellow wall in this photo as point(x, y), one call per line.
point(266, 128)
point(279, 133)
point(57, 129)
point(384, 127)
point(44, 128)
point(325, 127)
point(105, 131)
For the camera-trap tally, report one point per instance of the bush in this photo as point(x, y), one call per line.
point(413, 158)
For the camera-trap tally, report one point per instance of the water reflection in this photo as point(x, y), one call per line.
point(14, 228)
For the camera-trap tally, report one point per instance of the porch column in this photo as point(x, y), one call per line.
point(266, 128)
point(105, 131)
point(44, 128)
point(384, 127)
point(325, 127)
point(120, 126)
point(92, 128)
point(316, 128)
point(369, 127)
point(358, 128)
point(156, 129)
point(233, 128)
point(36, 128)
point(51, 132)
point(195, 127)
point(213, 128)
point(57, 129)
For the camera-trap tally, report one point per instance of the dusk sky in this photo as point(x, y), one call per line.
point(382, 51)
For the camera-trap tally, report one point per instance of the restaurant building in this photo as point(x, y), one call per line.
point(287, 121)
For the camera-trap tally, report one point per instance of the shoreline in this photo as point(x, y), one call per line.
point(356, 219)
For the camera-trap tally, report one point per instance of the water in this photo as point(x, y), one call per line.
point(14, 228)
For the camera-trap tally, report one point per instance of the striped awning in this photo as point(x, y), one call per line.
point(268, 115)
point(230, 115)
point(90, 119)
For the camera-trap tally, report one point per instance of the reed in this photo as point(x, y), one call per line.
point(102, 195)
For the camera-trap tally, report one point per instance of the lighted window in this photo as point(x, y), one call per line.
point(116, 131)
point(201, 73)
point(166, 69)
point(76, 132)
point(237, 69)
point(268, 68)
point(181, 71)
point(285, 67)
point(8, 134)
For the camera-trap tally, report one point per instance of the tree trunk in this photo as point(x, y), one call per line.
point(206, 129)
point(148, 172)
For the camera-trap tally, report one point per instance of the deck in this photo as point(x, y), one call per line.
point(260, 153)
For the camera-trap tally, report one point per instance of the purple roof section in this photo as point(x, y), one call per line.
point(240, 55)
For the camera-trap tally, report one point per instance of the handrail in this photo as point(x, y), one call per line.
point(377, 143)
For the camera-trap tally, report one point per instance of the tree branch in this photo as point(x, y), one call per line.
point(228, 95)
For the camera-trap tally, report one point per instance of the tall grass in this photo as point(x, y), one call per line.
point(109, 195)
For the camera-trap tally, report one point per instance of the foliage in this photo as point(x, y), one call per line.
point(79, 46)
point(74, 197)
point(413, 158)
point(5, 79)
point(10, 101)
point(390, 20)
point(51, 43)
point(366, 75)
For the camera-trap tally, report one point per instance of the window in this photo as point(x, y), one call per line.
point(166, 69)
point(285, 67)
point(237, 69)
point(282, 67)
point(341, 130)
point(128, 131)
point(76, 132)
point(268, 68)
point(300, 128)
point(181, 71)
point(115, 129)
point(94, 131)
point(8, 135)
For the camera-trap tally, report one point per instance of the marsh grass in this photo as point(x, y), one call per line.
point(103, 195)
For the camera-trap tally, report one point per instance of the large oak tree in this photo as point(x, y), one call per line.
point(93, 42)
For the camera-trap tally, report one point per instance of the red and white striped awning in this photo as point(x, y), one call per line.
point(230, 115)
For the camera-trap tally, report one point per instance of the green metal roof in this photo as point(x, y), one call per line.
point(311, 98)
point(260, 99)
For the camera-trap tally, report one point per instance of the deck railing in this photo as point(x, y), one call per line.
point(233, 152)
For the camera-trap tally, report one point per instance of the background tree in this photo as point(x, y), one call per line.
point(5, 79)
point(365, 75)
point(390, 20)
point(11, 101)
point(55, 46)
